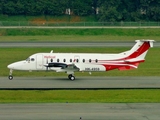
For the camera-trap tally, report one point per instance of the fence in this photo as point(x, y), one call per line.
point(90, 24)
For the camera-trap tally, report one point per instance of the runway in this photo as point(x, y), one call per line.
point(80, 111)
point(89, 82)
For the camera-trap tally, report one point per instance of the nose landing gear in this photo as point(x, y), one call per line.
point(10, 77)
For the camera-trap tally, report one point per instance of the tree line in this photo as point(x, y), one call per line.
point(103, 10)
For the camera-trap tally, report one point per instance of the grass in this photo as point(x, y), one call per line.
point(150, 67)
point(73, 38)
point(84, 31)
point(110, 34)
point(80, 96)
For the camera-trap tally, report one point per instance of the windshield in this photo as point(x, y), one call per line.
point(28, 59)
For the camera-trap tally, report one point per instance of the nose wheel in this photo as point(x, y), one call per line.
point(10, 77)
point(71, 77)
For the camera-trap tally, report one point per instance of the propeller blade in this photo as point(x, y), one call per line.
point(47, 64)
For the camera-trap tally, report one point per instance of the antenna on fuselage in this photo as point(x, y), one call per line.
point(51, 51)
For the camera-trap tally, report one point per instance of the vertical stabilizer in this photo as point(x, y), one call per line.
point(139, 50)
point(136, 55)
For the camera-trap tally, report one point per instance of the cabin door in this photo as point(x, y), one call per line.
point(39, 62)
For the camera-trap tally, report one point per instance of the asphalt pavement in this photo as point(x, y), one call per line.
point(80, 111)
point(89, 82)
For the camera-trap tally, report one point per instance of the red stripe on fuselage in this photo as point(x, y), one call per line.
point(140, 51)
point(114, 65)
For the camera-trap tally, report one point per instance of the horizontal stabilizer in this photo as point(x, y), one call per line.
point(150, 42)
point(134, 60)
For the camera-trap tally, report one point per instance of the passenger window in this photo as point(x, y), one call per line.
point(83, 60)
point(32, 59)
point(96, 60)
point(57, 60)
point(90, 60)
point(51, 60)
point(77, 60)
point(64, 60)
point(70, 60)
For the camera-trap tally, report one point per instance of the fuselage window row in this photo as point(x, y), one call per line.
point(77, 60)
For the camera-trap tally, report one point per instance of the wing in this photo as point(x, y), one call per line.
point(61, 67)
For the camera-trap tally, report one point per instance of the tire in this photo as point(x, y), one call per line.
point(10, 77)
point(69, 76)
point(72, 78)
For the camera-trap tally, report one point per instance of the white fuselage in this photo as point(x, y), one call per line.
point(85, 62)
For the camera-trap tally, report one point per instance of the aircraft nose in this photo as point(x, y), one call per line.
point(10, 66)
point(15, 66)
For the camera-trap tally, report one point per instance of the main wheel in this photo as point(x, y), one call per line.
point(71, 77)
point(10, 77)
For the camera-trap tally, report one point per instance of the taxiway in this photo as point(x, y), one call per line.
point(89, 82)
point(80, 111)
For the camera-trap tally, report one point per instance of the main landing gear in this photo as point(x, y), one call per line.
point(71, 77)
point(10, 77)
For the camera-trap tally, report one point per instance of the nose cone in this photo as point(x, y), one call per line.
point(10, 66)
point(15, 66)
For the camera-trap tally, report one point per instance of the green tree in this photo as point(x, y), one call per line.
point(153, 10)
point(55, 7)
point(109, 11)
point(9, 7)
point(82, 7)
point(129, 10)
point(19, 7)
point(34, 7)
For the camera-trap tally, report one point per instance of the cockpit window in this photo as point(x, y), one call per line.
point(28, 59)
point(32, 59)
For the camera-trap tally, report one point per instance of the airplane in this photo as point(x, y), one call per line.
point(74, 62)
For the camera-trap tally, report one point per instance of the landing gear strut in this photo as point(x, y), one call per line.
point(10, 77)
point(71, 77)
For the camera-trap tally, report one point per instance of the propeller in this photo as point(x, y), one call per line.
point(46, 64)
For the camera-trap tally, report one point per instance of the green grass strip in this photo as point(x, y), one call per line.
point(80, 96)
point(74, 38)
point(85, 31)
point(103, 34)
